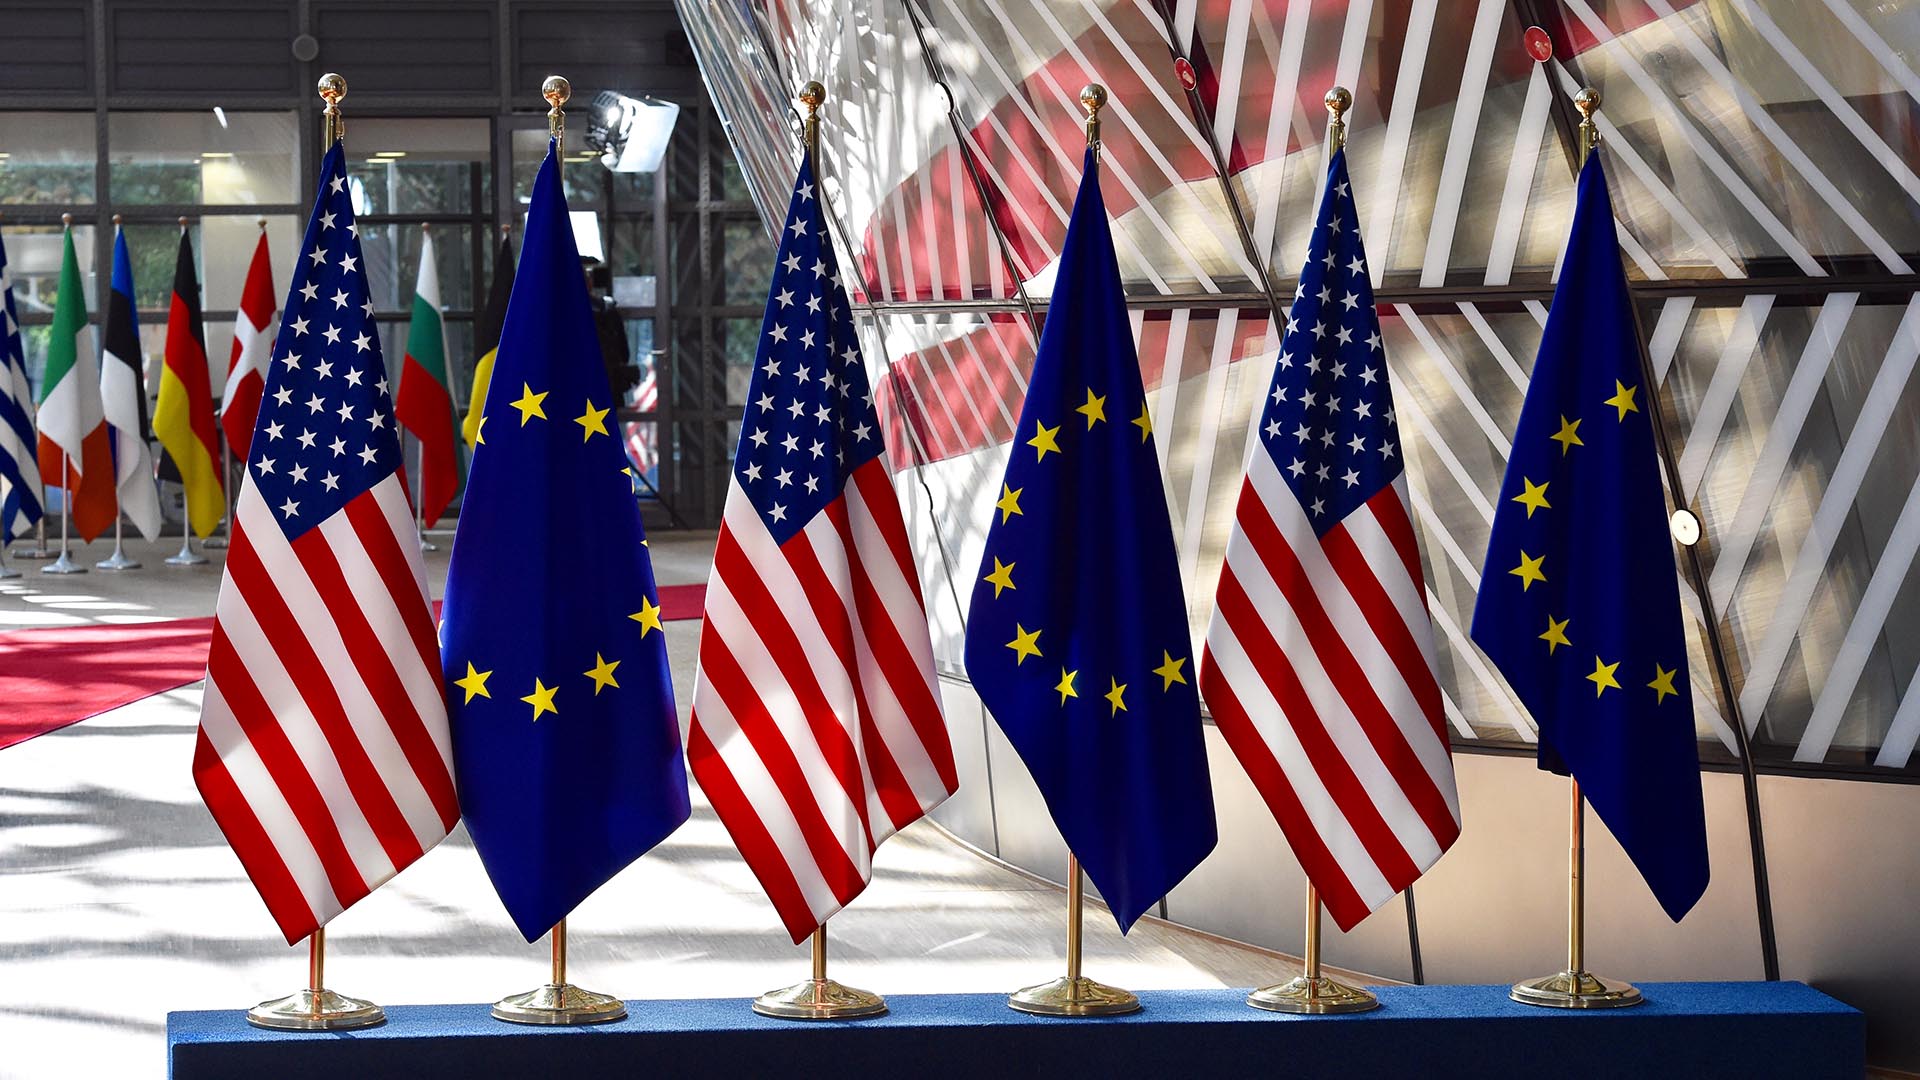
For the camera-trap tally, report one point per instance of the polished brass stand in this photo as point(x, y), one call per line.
point(1074, 995)
point(1576, 988)
point(559, 1002)
point(316, 1008)
point(1311, 992)
point(819, 998)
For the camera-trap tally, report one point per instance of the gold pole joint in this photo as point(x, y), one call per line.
point(1093, 97)
point(812, 95)
point(1338, 101)
point(1588, 102)
point(556, 89)
point(332, 88)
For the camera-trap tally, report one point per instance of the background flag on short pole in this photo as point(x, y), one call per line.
point(183, 417)
point(123, 397)
point(20, 501)
point(1077, 636)
point(817, 730)
point(1581, 606)
point(323, 746)
point(73, 428)
point(565, 738)
point(424, 406)
point(487, 338)
point(1319, 658)
point(253, 330)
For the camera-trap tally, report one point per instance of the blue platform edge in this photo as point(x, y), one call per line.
point(1733, 1029)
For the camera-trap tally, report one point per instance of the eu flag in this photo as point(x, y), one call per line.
point(1077, 636)
point(1579, 605)
point(566, 745)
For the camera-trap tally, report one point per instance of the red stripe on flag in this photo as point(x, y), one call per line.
point(262, 861)
point(756, 844)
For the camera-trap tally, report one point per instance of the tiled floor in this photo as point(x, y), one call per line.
point(119, 900)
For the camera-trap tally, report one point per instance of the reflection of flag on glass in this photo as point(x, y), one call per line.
point(645, 397)
point(1077, 634)
point(19, 469)
point(565, 738)
point(816, 720)
point(323, 749)
point(1319, 661)
point(1581, 606)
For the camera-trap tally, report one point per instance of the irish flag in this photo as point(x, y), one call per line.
point(73, 427)
point(183, 419)
point(424, 406)
point(253, 332)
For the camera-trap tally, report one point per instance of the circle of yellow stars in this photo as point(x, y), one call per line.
point(543, 697)
point(1532, 568)
point(1026, 643)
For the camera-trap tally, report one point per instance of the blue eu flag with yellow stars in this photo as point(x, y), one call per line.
point(1077, 635)
point(566, 745)
point(1579, 603)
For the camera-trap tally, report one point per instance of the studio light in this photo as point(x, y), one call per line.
point(630, 134)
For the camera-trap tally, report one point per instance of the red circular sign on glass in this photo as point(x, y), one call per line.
point(1184, 69)
point(1539, 45)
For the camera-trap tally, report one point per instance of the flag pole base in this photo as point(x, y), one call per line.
point(819, 999)
point(117, 561)
point(1313, 997)
point(1069, 996)
point(1576, 990)
point(559, 1004)
point(214, 543)
point(63, 565)
point(8, 572)
point(33, 553)
point(316, 1010)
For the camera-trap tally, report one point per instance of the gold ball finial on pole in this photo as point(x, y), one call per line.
point(556, 89)
point(182, 219)
point(1588, 102)
point(116, 221)
point(1338, 101)
point(812, 95)
point(1093, 97)
point(332, 88)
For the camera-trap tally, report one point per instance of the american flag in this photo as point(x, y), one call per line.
point(817, 730)
point(323, 749)
point(1319, 661)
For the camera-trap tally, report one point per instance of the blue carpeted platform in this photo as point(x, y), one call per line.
point(1683, 1030)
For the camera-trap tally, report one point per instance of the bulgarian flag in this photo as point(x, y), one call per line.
point(253, 332)
point(75, 452)
point(184, 420)
point(424, 406)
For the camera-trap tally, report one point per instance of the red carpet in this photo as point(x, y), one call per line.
point(52, 678)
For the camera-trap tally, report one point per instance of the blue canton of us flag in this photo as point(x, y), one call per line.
point(1328, 422)
point(801, 442)
point(1579, 604)
point(566, 745)
point(1077, 637)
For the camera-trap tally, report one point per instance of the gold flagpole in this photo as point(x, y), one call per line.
point(1576, 988)
point(1074, 994)
point(1311, 991)
point(818, 998)
point(558, 1002)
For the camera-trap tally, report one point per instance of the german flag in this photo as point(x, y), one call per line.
point(184, 418)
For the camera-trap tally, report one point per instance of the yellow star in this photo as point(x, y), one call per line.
point(1025, 643)
point(1113, 696)
point(480, 431)
point(1528, 571)
point(1144, 422)
point(1065, 685)
point(1095, 410)
point(1009, 503)
point(1602, 677)
point(592, 422)
point(602, 674)
point(1622, 398)
point(1556, 634)
point(1568, 436)
point(648, 616)
point(1043, 441)
point(1169, 670)
point(475, 684)
point(1534, 498)
point(1002, 577)
point(529, 404)
point(541, 699)
point(1662, 684)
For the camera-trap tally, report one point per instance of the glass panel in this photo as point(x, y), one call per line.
point(419, 166)
point(182, 158)
point(584, 179)
point(48, 158)
point(33, 259)
point(747, 263)
point(392, 259)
